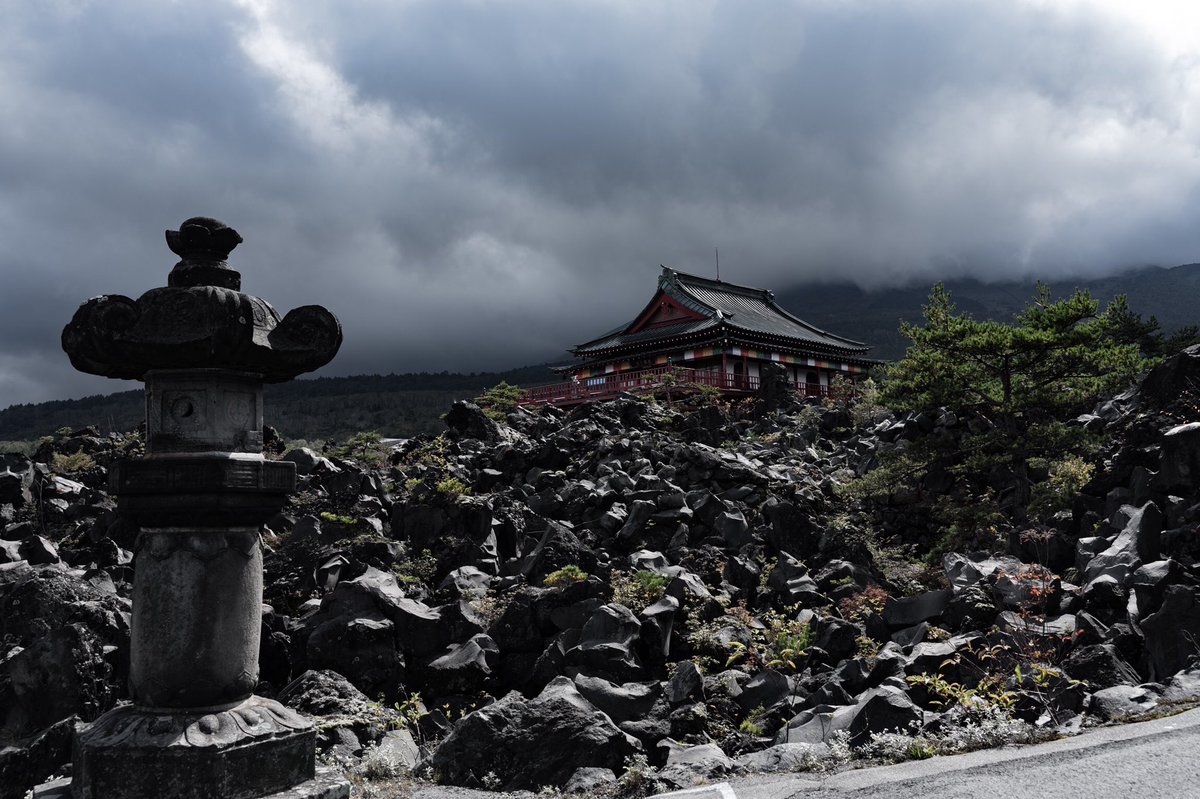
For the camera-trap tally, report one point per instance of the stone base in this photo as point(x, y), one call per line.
point(254, 749)
point(327, 784)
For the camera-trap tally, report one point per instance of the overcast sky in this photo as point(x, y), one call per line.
point(474, 185)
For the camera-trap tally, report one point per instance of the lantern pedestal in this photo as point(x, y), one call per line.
point(194, 729)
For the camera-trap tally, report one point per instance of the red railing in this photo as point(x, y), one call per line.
point(648, 381)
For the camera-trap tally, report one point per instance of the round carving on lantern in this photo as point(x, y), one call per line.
point(183, 409)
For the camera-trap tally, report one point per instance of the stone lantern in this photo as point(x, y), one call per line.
point(195, 729)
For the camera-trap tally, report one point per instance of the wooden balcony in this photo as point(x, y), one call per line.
point(660, 380)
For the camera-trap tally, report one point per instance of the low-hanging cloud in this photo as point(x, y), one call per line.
point(474, 185)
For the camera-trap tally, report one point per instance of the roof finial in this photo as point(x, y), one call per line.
point(718, 254)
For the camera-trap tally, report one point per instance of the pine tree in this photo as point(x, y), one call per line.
point(1014, 385)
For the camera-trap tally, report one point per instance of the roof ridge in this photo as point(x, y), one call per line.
point(715, 283)
point(670, 284)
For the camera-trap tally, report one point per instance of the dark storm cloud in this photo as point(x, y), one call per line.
point(475, 185)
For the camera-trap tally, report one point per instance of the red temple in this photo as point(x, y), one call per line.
point(704, 332)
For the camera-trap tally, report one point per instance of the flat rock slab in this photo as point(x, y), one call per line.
point(719, 790)
point(782, 757)
point(1122, 701)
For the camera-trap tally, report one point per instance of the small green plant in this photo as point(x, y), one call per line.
point(305, 501)
point(366, 448)
point(752, 724)
point(639, 590)
point(453, 487)
point(416, 569)
point(808, 417)
point(704, 395)
point(565, 576)
point(764, 574)
point(986, 671)
point(865, 405)
point(870, 600)
point(430, 454)
point(841, 392)
point(988, 693)
point(919, 749)
point(1067, 478)
point(490, 607)
point(337, 518)
point(409, 712)
point(67, 464)
point(638, 780)
point(777, 640)
point(788, 640)
point(704, 642)
point(499, 400)
point(377, 765)
point(866, 648)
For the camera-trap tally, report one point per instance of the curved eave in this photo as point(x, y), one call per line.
point(788, 341)
point(616, 331)
point(859, 345)
point(649, 344)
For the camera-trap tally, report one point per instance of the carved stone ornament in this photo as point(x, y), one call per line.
point(256, 718)
point(251, 749)
point(200, 320)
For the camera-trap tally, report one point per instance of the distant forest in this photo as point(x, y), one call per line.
point(396, 406)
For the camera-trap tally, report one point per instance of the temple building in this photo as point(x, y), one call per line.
point(707, 332)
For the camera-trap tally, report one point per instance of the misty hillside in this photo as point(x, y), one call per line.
point(874, 316)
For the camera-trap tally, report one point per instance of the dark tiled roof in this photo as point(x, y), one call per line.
point(739, 309)
point(621, 339)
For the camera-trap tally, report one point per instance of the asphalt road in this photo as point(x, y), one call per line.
point(1158, 759)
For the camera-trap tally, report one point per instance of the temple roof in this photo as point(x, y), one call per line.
point(709, 306)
